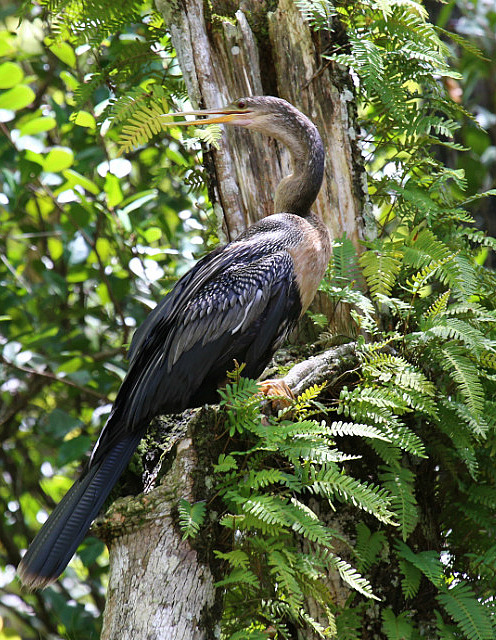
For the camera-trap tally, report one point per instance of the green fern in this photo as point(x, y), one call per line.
point(191, 517)
point(349, 575)
point(90, 21)
point(400, 484)
point(410, 583)
point(145, 123)
point(368, 546)
point(464, 373)
point(439, 305)
point(396, 627)
point(381, 270)
point(471, 616)
point(428, 562)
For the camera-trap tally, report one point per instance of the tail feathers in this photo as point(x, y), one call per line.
point(60, 536)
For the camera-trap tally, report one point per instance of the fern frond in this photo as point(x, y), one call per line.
point(398, 371)
point(381, 408)
point(145, 123)
point(416, 282)
point(85, 90)
point(191, 517)
point(236, 558)
point(428, 562)
point(316, 12)
point(399, 481)
point(330, 482)
point(239, 575)
point(351, 576)
point(210, 135)
point(344, 263)
point(90, 21)
point(396, 627)
point(410, 582)
point(360, 430)
point(381, 270)
point(439, 305)
point(368, 546)
point(464, 372)
point(472, 618)
point(285, 577)
point(306, 523)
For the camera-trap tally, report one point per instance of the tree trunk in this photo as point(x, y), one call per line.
point(223, 60)
point(159, 586)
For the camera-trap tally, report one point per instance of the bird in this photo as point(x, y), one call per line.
point(236, 305)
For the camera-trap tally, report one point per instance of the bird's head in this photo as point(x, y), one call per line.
point(278, 119)
point(266, 114)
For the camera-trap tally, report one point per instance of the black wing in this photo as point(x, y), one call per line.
point(231, 306)
point(237, 303)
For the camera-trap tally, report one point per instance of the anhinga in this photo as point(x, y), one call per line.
point(238, 303)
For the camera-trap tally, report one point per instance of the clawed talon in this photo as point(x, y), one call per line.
point(279, 393)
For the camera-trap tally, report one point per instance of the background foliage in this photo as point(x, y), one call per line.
point(90, 240)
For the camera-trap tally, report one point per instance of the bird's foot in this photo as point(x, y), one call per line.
point(278, 392)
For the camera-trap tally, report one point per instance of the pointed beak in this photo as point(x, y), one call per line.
point(218, 116)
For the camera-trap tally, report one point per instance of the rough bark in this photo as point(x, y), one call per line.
point(161, 586)
point(252, 51)
point(168, 567)
point(223, 59)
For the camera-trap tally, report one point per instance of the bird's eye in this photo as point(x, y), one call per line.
point(241, 104)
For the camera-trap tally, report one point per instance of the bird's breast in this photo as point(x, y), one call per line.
point(310, 257)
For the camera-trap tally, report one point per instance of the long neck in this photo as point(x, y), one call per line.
point(297, 192)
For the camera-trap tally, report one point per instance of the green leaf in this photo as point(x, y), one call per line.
point(73, 449)
point(396, 627)
point(17, 98)
point(11, 74)
point(113, 190)
point(84, 119)
point(64, 52)
point(55, 248)
point(69, 80)
point(428, 562)
point(58, 159)
point(152, 234)
point(6, 43)
point(353, 578)
point(38, 125)
point(90, 550)
point(191, 517)
point(400, 482)
point(74, 178)
point(59, 423)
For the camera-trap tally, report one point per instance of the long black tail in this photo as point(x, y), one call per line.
point(60, 536)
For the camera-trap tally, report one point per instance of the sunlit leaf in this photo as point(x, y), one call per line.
point(17, 98)
point(84, 119)
point(103, 248)
point(38, 125)
point(10, 75)
point(55, 247)
point(58, 158)
point(64, 52)
point(152, 234)
point(113, 190)
point(74, 178)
